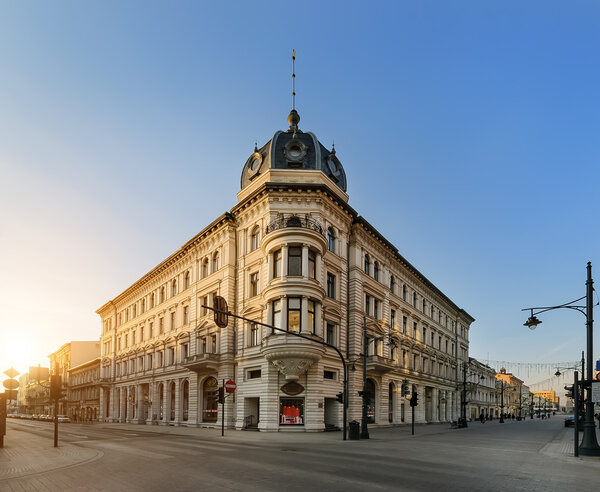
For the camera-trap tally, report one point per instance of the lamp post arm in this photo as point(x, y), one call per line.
point(567, 305)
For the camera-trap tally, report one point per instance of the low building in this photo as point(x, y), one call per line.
point(481, 390)
point(546, 401)
point(83, 391)
point(69, 355)
point(509, 394)
point(34, 396)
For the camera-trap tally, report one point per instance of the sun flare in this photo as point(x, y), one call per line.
point(17, 353)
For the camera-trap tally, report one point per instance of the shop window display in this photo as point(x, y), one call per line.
point(291, 411)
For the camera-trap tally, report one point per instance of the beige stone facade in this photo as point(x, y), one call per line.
point(83, 391)
point(292, 253)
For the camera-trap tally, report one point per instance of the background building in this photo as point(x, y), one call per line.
point(510, 393)
point(293, 254)
point(69, 355)
point(83, 392)
point(481, 390)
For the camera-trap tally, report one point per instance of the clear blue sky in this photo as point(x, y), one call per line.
point(468, 131)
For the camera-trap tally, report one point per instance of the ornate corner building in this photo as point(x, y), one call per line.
point(292, 254)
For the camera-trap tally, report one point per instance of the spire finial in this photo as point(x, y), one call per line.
point(293, 79)
point(255, 146)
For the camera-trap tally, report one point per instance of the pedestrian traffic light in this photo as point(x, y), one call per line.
point(414, 400)
point(570, 393)
point(340, 397)
point(221, 395)
point(405, 389)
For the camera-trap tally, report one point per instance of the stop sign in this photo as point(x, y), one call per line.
point(230, 386)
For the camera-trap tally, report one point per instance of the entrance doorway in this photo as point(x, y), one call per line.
point(251, 413)
point(332, 413)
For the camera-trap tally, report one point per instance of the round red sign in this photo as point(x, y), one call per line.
point(230, 386)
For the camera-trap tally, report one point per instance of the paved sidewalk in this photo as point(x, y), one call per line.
point(27, 454)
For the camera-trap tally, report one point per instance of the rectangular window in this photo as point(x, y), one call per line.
point(253, 284)
point(330, 285)
point(312, 270)
point(424, 335)
point(173, 320)
point(293, 321)
point(213, 343)
point(414, 333)
point(294, 261)
point(376, 308)
point(204, 345)
point(329, 375)
point(204, 303)
point(171, 356)
point(161, 359)
point(186, 315)
point(254, 335)
point(254, 374)
point(404, 321)
point(184, 351)
point(311, 316)
point(330, 334)
point(150, 366)
point(142, 334)
point(368, 304)
point(440, 343)
point(150, 329)
point(161, 325)
point(392, 319)
point(277, 313)
point(277, 264)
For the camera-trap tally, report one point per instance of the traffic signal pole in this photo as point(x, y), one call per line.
point(222, 322)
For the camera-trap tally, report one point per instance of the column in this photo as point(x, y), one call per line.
point(284, 260)
point(177, 401)
point(319, 328)
point(318, 266)
point(270, 266)
point(305, 261)
point(303, 311)
point(102, 404)
point(284, 314)
point(435, 402)
point(420, 408)
point(139, 401)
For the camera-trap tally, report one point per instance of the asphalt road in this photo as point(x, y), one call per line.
point(491, 456)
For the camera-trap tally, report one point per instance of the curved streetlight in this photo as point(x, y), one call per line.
point(589, 445)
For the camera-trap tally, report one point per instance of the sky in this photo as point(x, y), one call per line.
point(468, 131)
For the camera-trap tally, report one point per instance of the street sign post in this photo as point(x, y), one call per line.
point(596, 391)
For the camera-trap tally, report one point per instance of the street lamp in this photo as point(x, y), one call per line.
point(502, 401)
point(364, 431)
point(589, 445)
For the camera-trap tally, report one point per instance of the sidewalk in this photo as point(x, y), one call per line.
point(26, 454)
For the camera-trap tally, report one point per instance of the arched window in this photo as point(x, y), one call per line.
point(186, 400)
point(215, 261)
point(392, 283)
point(331, 240)
point(210, 390)
point(294, 222)
point(367, 264)
point(254, 238)
point(376, 270)
point(173, 287)
point(186, 280)
point(172, 402)
point(162, 294)
point(205, 267)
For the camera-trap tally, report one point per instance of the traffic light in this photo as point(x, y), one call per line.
point(414, 400)
point(220, 315)
point(55, 387)
point(570, 393)
point(221, 395)
point(340, 397)
point(366, 396)
point(405, 389)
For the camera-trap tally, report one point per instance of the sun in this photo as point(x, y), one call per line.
point(17, 353)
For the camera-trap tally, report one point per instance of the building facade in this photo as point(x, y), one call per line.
point(83, 391)
point(69, 355)
point(481, 390)
point(291, 254)
point(509, 391)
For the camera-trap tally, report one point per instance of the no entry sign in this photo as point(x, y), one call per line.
point(230, 386)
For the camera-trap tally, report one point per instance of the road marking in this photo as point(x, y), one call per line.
point(78, 436)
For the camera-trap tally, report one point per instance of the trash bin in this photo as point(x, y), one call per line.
point(354, 433)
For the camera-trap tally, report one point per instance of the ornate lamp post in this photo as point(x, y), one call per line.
point(589, 445)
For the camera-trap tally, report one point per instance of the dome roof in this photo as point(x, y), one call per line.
point(294, 149)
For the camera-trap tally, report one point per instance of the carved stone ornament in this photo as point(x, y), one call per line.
point(292, 388)
point(293, 357)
